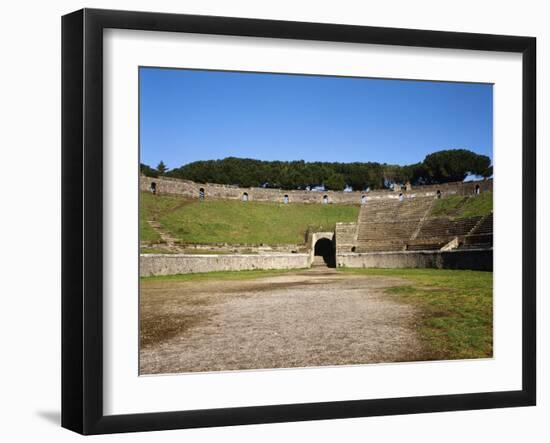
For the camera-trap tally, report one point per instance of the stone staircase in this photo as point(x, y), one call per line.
point(481, 235)
point(169, 241)
point(319, 261)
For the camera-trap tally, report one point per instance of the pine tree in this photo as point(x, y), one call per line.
point(161, 168)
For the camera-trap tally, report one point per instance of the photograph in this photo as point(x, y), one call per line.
point(297, 220)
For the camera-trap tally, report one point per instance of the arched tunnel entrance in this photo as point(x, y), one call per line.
point(324, 253)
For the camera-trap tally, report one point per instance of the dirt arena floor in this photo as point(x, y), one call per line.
point(315, 317)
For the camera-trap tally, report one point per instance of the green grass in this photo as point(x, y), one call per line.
point(219, 275)
point(479, 205)
point(456, 306)
point(447, 205)
point(458, 206)
point(146, 232)
point(151, 207)
point(238, 222)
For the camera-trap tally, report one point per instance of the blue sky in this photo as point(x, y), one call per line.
point(189, 115)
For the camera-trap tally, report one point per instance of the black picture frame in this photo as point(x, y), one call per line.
point(82, 215)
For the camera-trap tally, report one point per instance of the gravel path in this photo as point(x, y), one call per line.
point(311, 318)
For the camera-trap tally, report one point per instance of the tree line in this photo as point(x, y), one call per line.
point(439, 167)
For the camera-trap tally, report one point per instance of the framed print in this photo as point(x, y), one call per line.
point(268, 221)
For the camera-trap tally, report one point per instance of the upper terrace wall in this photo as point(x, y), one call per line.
point(212, 191)
point(346, 237)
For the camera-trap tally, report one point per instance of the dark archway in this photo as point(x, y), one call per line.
point(201, 194)
point(438, 193)
point(245, 197)
point(153, 187)
point(324, 248)
point(477, 190)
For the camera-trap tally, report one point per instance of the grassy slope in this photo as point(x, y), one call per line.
point(239, 222)
point(479, 205)
point(457, 307)
point(146, 232)
point(462, 207)
point(151, 207)
point(154, 206)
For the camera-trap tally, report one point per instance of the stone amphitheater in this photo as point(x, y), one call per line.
point(394, 229)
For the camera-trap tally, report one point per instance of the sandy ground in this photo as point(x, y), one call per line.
point(316, 317)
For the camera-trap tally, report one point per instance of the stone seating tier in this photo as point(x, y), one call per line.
point(406, 226)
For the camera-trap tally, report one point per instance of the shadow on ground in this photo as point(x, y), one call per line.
point(53, 417)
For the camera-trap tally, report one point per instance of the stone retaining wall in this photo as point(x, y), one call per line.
point(475, 259)
point(170, 264)
point(212, 191)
